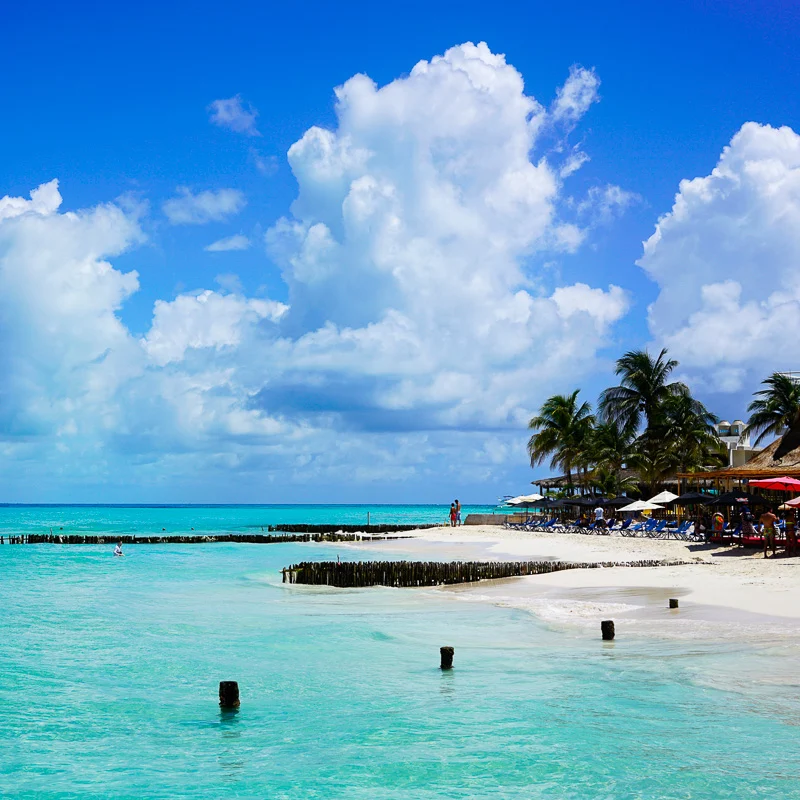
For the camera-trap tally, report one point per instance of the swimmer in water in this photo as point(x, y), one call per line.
point(118, 550)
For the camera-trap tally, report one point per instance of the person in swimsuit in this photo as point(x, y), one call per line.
point(768, 520)
point(458, 513)
point(791, 534)
point(118, 550)
point(452, 515)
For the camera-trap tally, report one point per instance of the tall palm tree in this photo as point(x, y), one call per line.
point(775, 408)
point(643, 388)
point(562, 432)
point(687, 429)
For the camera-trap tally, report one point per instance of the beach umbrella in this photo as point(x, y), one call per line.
point(592, 500)
point(641, 505)
point(663, 497)
point(616, 502)
point(793, 503)
point(784, 484)
point(738, 499)
point(693, 499)
point(524, 500)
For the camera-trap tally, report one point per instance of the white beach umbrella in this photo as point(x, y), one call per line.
point(641, 505)
point(524, 500)
point(663, 497)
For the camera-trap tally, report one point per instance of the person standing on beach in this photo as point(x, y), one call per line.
point(452, 515)
point(599, 517)
point(768, 520)
point(458, 512)
point(791, 534)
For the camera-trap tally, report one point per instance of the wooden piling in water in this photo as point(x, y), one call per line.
point(607, 629)
point(228, 694)
point(446, 655)
point(673, 603)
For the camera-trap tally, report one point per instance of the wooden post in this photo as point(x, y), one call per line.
point(446, 654)
point(607, 629)
point(228, 694)
point(673, 603)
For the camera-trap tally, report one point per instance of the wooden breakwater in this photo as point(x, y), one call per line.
point(287, 528)
point(357, 574)
point(246, 538)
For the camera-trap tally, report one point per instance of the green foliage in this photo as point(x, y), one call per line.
point(562, 431)
point(775, 408)
point(646, 423)
point(642, 391)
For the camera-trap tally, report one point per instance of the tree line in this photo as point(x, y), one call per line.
point(647, 425)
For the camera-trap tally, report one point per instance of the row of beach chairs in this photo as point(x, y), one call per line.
point(652, 529)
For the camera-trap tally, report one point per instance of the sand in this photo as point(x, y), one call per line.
point(722, 585)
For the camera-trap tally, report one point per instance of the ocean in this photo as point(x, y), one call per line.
point(110, 671)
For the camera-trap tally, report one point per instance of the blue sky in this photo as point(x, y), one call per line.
point(385, 336)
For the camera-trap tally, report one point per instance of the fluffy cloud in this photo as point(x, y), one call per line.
point(204, 207)
point(203, 320)
point(64, 348)
point(237, 242)
point(233, 114)
point(726, 259)
point(419, 331)
point(576, 95)
point(409, 257)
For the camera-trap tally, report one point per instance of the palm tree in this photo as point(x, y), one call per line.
point(643, 389)
point(775, 408)
point(687, 429)
point(562, 431)
point(610, 483)
point(653, 464)
point(612, 446)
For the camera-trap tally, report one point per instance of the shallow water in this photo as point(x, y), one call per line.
point(111, 666)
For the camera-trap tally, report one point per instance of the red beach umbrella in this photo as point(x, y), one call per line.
point(784, 484)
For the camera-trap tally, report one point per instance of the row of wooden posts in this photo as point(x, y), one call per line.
point(229, 690)
point(332, 528)
point(110, 538)
point(356, 574)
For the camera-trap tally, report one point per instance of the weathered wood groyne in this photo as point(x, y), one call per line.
point(198, 538)
point(287, 528)
point(357, 574)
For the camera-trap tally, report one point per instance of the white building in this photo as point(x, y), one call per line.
point(736, 438)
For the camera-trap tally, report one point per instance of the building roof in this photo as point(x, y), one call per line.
point(780, 458)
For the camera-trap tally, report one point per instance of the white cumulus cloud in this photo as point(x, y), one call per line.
point(237, 242)
point(420, 329)
point(232, 113)
point(726, 259)
point(208, 206)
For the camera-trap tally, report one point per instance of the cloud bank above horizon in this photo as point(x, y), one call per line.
point(415, 259)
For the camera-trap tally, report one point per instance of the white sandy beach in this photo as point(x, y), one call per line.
point(724, 584)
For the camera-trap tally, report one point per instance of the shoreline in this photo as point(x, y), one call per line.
point(724, 589)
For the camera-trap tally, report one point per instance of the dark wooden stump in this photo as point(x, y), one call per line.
point(447, 657)
point(607, 629)
point(229, 694)
point(673, 603)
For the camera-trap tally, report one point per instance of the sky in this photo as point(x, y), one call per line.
point(342, 252)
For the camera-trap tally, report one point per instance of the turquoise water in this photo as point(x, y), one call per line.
point(216, 518)
point(110, 668)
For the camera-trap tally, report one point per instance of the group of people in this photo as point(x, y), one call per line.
point(455, 514)
point(769, 524)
